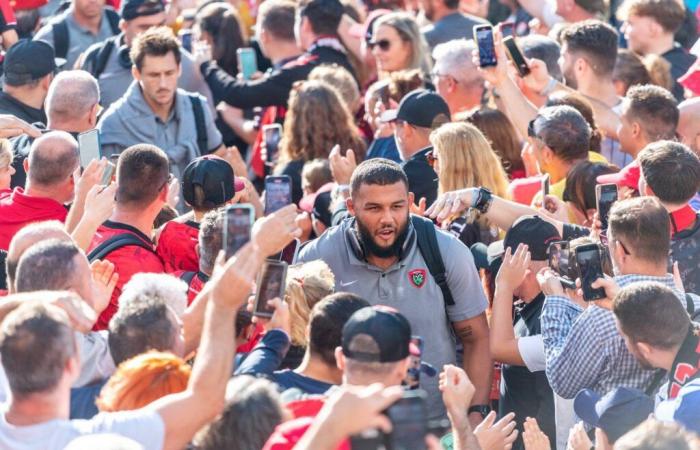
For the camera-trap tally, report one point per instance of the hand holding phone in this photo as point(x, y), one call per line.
point(605, 196)
point(89, 146)
point(590, 267)
point(409, 422)
point(238, 224)
point(560, 262)
point(483, 36)
point(516, 56)
point(273, 135)
point(271, 284)
point(247, 62)
point(278, 192)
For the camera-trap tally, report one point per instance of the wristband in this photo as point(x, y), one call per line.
point(484, 410)
point(482, 200)
point(551, 85)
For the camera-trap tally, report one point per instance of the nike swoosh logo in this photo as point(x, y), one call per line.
point(347, 284)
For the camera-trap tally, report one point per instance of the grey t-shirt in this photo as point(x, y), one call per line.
point(450, 27)
point(409, 287)
point(145, 427)
point(79, 38)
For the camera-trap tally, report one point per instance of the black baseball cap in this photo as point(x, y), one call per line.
point(534, 232)
point(420, 108)
point(131, 9)
point(383, 333)
point(30, 60)
point(616, 412)
point(215, 176)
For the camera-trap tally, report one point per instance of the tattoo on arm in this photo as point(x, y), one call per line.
point(464, 332)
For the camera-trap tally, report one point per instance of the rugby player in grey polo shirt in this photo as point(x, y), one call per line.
point(375, 255)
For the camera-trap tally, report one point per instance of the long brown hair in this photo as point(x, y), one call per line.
point(316, 121)
point(500, 132)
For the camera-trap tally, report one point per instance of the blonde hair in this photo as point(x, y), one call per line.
point(339, 77)
point(409, 31)
point(6, 154)
point(466, 159)
point(143, 379)
point(307, 284)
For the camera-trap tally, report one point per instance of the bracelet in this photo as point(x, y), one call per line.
point(484, 410)
point(551, 85)
point(482, 201)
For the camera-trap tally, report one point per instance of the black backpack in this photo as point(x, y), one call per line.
point(429, 249)
point(61, 39)
point(117, 242)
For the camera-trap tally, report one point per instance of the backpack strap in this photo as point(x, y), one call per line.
point(113, 18)
point(117, 242)
point(187, 277)
point(60, 38)
point(98, 57)
point(198, 110)
point(428, 246)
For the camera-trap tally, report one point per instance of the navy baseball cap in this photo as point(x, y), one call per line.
point(29, 60)
point(215, 176)
point(616, 413)
point(420, 108)
point(131, 9)
point(382, 334)
point(534, 232)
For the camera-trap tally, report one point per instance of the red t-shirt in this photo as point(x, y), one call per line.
point(128, 261)
point(177, 246)
point(523, 190)
point(18, 210)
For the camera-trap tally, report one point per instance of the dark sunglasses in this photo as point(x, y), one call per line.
point(383, 44)
point(431, 157)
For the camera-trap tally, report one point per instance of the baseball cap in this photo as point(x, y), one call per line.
point(307, 202)
point(616, 413)
point(30, 60)
point(322, 208)
point(420, 108)
point(532, 231)
point(131, 9)
point(383, 333)
point(628, 176)
point(215, 176)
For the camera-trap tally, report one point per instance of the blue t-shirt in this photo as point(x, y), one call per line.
point(384, 148)
point(288, 379)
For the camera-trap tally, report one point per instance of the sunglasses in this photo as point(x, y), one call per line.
point(431, 157)
point(383, 44)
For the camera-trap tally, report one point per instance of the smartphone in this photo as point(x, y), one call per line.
point(186, 39)
point(545, 186)
point(409, 422)
point(108, 173)
point(560, 262)
point(272, 283)
point(273, 135)
point(483, 36)
point(89, 147)
point(238, 223)
point(590, 266)
point(247, 62)
point(412, 380)
point(507, 29)
point(278, 193)
point(516, 56)
point(289, 253)
point(605, 196)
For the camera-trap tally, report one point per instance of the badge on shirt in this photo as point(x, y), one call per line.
point(417, 277)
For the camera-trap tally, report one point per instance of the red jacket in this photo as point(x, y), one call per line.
point(128, 261)
point(18, 210)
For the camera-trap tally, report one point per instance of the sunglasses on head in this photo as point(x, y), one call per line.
point(383, 44)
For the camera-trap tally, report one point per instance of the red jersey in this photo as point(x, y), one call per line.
point(128, 261)
point(18, 210)
point(177, 244)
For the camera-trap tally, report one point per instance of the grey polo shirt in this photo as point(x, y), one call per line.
point(116, 77)
point(453, 26)
point(79, 38)
point(409, 287)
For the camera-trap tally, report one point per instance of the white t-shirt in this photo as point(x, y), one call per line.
point(146, 428)
point(531, 349)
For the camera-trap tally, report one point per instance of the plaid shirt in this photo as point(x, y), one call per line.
point(583, 348)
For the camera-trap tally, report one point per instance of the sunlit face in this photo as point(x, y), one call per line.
point(158, 78)
point(390, 51)
point(382, 212)
point(637, 30)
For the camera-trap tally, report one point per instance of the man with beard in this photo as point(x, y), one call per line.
point(374, 254)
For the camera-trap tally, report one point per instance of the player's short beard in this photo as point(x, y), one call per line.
point(371, 247)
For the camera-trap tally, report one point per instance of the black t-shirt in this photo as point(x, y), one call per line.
point(10, 105)
point(680, 61)
point(527, 394)
point(422, 179)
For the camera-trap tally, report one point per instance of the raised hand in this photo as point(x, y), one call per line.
point(273, 232)
point(533, 437)
point(514, 268)
point(450, 203)
point(232, 280)
point(104, 280)
point(342, 167)
point(457, 391)
point(494, 435)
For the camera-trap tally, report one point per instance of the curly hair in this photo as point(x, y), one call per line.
point(316, 121)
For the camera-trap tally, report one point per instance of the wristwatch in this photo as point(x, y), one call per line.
point(482, 200)
point(484, 410)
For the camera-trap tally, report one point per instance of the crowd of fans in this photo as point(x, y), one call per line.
point(334, 224)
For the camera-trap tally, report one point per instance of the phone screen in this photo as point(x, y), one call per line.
point(484, 41)
point(409, 422)
point(273, 134)
point(559, 261)
point(272, 284)
point(517, 56)
point(590, 268)
point(278, 193)
point(247, 62)
point(238, 224)
point(606, 195)
point(186, 39)
point(89, 146)
point(507, 29)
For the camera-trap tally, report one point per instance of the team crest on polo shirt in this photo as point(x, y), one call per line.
point(417, 277)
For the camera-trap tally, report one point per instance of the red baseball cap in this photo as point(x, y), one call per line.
point(628, 176)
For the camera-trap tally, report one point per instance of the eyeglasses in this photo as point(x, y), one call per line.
point(613, 240)
point(431, 157)
point(383, 44)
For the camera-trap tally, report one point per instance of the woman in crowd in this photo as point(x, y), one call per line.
point(463, 158)
point(142, 380)
point(397, 44)
point(307, 284)
point(501, 133)
point(316, 121)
